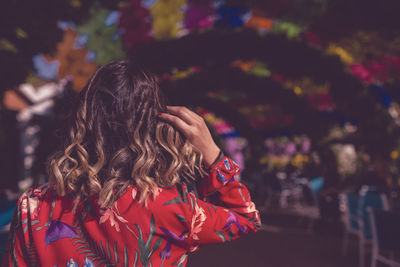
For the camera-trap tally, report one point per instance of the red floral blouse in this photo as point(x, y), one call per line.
point(49, 230)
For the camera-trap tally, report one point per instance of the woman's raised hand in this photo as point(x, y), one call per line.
point(195, 130)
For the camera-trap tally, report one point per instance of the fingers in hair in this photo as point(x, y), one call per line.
point(176, 121)
point(185, 114)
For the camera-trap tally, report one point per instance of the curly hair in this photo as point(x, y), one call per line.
point(115, 139)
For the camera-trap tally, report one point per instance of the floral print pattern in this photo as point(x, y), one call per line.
point(58, 230)
point(111, 214)
point(198, 220)
point(52, 230)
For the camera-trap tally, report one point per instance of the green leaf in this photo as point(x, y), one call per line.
point(108, 251)
point(221, 235)
point(136, 259)
point(126, 258)
point(35, 222)
point(140, 232)
point(141, 244)
point(174, 201)
point(53, 203)
point(169, 188)
point(116, 252)
point(156, 246)
point(209, 210)
point(231, 234)
point(152, 231)
point(102, 249)
point(91, 243)
point(41, 227)
point(191, 202)
point(101, 262)
point(85, 251)
point(181, 261)
point(96, 248)
point(181, 218)
point(79, 242)
point(180, 192)
point(81, 247)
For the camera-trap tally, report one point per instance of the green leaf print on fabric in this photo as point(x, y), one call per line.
point(181, 261)
point(116, 252)
point(221, 235)
point(145, 250)
point(136, 259)
point(126, 257)
point(90, 248)
point(176, 200)
point(181, 218)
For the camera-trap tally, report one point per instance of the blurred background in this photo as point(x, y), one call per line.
point(303, 94)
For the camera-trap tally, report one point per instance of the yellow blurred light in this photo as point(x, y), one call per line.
point(345, 56)
point(75, 3)
point(7, 46)
point(21, 34)
point(297, 90)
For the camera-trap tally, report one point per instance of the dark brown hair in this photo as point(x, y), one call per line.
point(116, 139)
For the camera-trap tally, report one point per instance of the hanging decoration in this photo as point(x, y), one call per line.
point(278, 45)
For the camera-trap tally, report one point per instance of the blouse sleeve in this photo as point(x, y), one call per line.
point(18, 248)
point(225, 211)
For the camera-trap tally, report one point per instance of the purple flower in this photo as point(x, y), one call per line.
point(290, 149)
point(166, 252)
point(233, 219)
point(198, 16)
point(305, 146)
point(58, 230)
point(174, 236)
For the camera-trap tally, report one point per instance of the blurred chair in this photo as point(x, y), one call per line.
point(356, 218)
point(297, 197)
point(311, 192)
point(306, 199)
point(385, 226)
point(6, 212)
point(274, 187)
point(6, 216)
point(316, 184)
point(3, 239)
